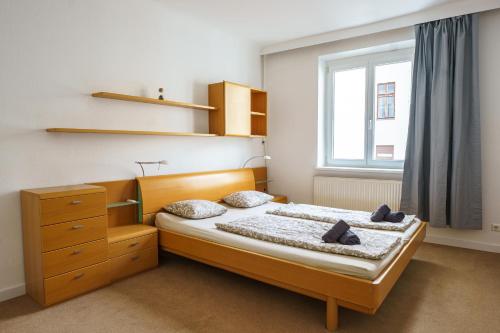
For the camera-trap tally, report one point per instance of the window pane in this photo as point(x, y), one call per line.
point(349, 114)
point(390, 107)
point(381, 88)
point(381, 107)
point(392, 131)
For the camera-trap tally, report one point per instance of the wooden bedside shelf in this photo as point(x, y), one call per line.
point(121, 204)
point(120, 233)
point(280, 198)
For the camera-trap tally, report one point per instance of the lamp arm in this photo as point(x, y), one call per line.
point(246, 162)
point(160, 163)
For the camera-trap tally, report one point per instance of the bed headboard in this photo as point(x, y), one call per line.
point(157, 191)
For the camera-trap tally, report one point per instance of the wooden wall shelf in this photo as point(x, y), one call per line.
point(126, 132)
point(140, 99)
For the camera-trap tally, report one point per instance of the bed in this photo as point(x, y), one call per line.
point(354, 283)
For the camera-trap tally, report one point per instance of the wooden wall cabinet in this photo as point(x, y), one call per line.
point(240, 110)
point(259, 112)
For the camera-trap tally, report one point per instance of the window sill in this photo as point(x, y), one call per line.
point(362, 171)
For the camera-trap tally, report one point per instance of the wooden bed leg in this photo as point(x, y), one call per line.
point(332, 315)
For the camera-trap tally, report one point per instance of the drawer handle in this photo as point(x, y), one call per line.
point(79, 276)
point(76, 202)
point(135, 257)
point(77, 226)
point(134, 244)
point(77, 252)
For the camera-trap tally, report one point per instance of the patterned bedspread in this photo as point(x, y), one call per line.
point(354, 218)
point(307, 234)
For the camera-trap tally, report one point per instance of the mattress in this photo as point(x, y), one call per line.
point(205, 229)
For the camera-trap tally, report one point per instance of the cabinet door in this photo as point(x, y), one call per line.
point(237, 99)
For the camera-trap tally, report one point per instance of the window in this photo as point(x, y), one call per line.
point(362, 128)
point(386, 95)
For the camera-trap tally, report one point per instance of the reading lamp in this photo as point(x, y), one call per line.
point(266, 157)
point(160, 163)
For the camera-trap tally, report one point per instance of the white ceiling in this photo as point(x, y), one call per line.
point(271, 21)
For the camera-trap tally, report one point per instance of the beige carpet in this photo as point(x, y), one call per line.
point(443, 289)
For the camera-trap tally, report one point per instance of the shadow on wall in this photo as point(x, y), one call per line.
point(11, 244)
point(200, 96)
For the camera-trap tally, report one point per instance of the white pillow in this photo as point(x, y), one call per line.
point(247, 199)
point(195, 209)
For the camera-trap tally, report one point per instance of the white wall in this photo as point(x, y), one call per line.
point(55, 53)
point(291, 79)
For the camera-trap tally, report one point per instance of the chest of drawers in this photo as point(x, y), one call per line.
point(65, 241)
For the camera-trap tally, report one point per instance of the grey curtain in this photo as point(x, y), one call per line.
point(442, 170)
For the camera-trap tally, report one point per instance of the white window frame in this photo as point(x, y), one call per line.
point(369, 62)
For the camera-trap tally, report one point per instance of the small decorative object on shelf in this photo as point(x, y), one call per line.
point(161, 94)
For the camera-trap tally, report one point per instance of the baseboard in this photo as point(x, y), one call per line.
point(13, 291)
point(488, 247)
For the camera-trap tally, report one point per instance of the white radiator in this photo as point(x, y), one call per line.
point(356, 193)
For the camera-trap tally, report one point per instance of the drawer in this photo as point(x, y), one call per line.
point(72, 208)
point(62, 287)
point(71, 258)
point(72, 233)
point(133, 263)
point(134, 244)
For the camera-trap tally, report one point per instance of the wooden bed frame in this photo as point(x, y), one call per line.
point(335, 289)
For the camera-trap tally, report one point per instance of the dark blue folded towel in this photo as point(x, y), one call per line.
point(340, 233)
point(332, 235)
point(349, 238)
point(380, 213)
point(394, 217)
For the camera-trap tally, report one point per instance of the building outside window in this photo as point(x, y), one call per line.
point(385, 152)
point(386, 96)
